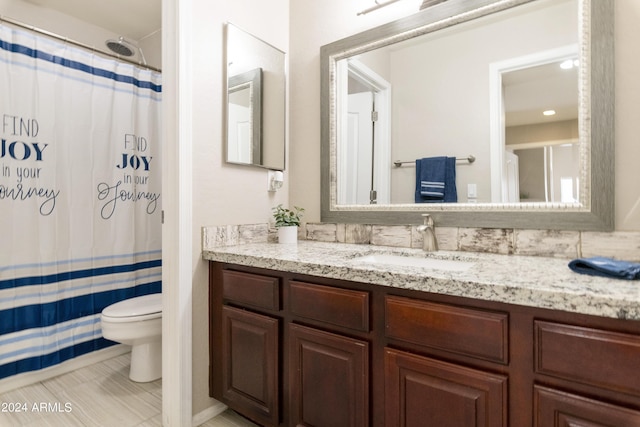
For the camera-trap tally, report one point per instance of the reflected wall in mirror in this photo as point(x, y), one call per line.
point(255, 113)
point(474, 78)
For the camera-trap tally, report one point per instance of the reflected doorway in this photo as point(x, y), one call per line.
point(364, 144)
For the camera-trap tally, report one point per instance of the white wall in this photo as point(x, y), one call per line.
point(151, 46)
point(314, 24)
point(223, 193)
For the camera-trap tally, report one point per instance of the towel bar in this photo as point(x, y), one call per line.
point(470, 159)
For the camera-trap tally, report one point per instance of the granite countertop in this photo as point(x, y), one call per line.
point(524, 280)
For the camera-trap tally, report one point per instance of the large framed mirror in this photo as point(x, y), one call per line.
point(466, 88)
point(255, 101)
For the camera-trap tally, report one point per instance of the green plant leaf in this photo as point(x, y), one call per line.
point(286, 217)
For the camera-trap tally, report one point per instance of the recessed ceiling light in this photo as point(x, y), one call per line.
point(567, 64)
point(549, 112)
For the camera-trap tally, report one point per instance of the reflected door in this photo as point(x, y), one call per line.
point(360, 145)
point(239, 128)
point(363, 158)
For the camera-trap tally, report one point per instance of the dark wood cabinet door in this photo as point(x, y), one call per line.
point(424, 392)
point(329, 379)
point(250, 364)
point(554, 408)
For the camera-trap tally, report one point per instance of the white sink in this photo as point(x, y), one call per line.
point(414, 261)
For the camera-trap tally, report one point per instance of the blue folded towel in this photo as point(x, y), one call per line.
point(606, 267)
point(436, 180)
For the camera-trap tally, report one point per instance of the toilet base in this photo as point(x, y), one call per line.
point(146, 362)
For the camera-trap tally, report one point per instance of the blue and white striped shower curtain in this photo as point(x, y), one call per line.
point(80, 186)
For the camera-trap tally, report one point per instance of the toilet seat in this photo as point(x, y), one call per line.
point(135, 309)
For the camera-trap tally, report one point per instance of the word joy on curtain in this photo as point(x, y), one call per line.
point(80, 196)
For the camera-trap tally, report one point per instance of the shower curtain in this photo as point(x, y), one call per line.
point(80, 213)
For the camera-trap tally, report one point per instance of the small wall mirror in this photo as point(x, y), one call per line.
point(255, 113)
point(474, 81)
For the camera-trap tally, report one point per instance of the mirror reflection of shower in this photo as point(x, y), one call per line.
point(539, 131)
point(550, 173)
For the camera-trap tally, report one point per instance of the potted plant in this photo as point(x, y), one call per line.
point(287, 223)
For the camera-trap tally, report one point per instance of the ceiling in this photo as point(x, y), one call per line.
point(131, 19)
point(533, 89)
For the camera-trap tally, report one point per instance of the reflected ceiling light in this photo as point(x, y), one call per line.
point(569, 64)
point(549, 112)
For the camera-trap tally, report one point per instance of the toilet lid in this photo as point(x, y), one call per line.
point(138, 306)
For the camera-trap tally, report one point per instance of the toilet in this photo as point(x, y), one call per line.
point(137, 322)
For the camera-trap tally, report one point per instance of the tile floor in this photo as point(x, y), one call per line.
point(99, 395)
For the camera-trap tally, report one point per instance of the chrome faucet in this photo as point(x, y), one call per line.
point(428, 231)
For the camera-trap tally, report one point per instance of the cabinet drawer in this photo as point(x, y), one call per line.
point(253, 289)
point(596, 357)
point(467, 331)
point(554, 408)
point(340, 307)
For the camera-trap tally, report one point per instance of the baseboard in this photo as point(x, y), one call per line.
point(203, 416)
point(67, 366)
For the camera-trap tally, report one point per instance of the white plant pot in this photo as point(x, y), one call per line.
point(288, 234)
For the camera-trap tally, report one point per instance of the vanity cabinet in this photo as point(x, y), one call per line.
point(250, 361)
point(555, 408)
point(249, 345)
point(329, 378)
point(603, 359)
point(295, 350)
point(424, 391)
point(328, 355)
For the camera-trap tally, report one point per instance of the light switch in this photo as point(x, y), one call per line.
point(472, 191)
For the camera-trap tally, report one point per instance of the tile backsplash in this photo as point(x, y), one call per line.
point(506, 241)
point(229, 235)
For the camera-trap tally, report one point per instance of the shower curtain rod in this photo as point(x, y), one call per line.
point(73, 42)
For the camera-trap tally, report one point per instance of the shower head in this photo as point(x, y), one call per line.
point(121, 47)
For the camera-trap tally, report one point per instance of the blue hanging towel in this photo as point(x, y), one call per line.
point(606, 267)
point(436, 180)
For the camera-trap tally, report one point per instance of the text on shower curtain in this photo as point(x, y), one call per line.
point(136, 165)
point(20, 182)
